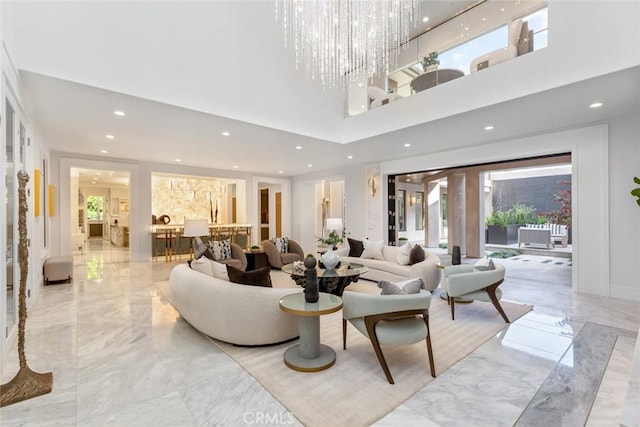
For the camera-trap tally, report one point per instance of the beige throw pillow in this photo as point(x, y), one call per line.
point(404, 252)
point(372, 250)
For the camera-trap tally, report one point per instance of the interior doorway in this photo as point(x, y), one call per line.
point(99, 208)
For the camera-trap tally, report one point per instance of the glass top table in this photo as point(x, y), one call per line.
point(330, 280)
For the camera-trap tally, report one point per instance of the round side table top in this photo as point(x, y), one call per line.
point(296, 304)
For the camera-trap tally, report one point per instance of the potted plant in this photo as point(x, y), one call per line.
point(255, 248)
point(502, 226)
point(430, 62)
point(333, 239)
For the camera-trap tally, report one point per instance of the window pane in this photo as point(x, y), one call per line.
point(460, 57)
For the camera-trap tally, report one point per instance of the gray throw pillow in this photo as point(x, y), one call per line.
point(417, 255)
point(411, 286)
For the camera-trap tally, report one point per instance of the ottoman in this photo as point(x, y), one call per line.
point(58, 268)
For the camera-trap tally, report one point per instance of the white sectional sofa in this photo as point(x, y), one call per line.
point(230, 312)
point(392, 270)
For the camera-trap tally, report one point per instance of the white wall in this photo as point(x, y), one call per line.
point(624, 213)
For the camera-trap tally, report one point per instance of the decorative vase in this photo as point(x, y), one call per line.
point(311, 292)
point(330, 259)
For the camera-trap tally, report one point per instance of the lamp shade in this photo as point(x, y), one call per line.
point(196, 227)
point(334, 224)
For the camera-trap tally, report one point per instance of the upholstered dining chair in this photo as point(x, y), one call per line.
point(389, 320)
point(279, 255)
point(469, 282)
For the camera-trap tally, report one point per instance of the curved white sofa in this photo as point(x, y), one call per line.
point(230, 312)
point(389, 269)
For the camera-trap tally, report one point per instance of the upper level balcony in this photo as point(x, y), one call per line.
point(482, 36)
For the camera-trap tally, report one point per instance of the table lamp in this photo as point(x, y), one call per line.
point(196, 228)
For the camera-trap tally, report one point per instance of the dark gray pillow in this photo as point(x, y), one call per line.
point(355, 247)
point(417, 255)
point(411, 286)
point(259, 277)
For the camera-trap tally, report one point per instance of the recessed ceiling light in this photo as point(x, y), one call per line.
point(349, 157)
point(235, 166)
point(362, 107)
point(280, 172)
point(596, 105)
point(425, 19)
point(225, 133)
point(98, 173)
point(104, 151)
point(109, 136)
point(119, 113)
point(407, 145)
point(488, 127)
point(298, 147)
point(359, 84)
point(93, 182)
point(178, 160)
point(310, 165)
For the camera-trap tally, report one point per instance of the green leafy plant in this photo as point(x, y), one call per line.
point(504, 253)
point(636, 191)
point(429, 60)
point(333, 239)
point(518, 214)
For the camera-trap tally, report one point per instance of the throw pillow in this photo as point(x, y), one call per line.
point(199, 248)
point(202, 265)
point(484, 264)
point(219, 271)
point(411, 286)
point(281, 243)
point(221, 249)
point(355, 247)
point(210, 268)
point(417, 255)
point(404, 254)
point(372, 250)
point(259, 277)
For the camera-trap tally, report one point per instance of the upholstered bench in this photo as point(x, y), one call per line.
point(58, 268)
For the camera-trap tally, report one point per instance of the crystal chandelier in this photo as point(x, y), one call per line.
point(346, 39)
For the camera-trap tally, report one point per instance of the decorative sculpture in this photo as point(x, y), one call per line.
point(26, 384)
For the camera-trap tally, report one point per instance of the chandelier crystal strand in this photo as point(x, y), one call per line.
point(337, 40)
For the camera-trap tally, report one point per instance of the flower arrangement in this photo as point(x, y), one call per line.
point(429, 60)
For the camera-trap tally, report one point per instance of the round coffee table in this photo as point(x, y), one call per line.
point(309, 355)
point(330, 280)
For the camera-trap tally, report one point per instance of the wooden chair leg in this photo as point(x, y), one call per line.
point(453, 309)
point(344, 334)
point(371, 330)
point(491, 291)
point(429, 348)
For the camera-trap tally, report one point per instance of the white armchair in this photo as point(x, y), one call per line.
point(470, 283)
point(389, 320)
point(503, 54)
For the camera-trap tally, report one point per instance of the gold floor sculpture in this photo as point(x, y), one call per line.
point(26, 384)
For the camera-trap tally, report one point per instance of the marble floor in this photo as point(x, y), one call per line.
point(121, 356)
